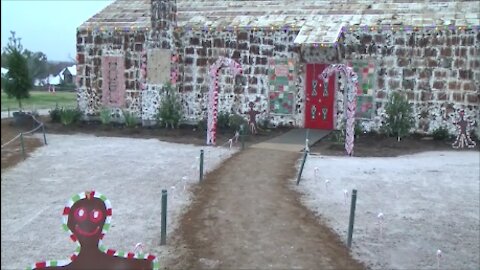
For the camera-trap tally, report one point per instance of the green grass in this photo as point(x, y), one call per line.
point(41, 100)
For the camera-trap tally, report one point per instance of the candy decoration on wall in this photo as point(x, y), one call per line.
point(352, 88)
point(143, 71)
point(86, 218)
point(213, 95)
point(463, 137)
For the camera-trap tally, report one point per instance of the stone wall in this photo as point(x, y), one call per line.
point(439, 70)
point(92, 47)
point(252, 50)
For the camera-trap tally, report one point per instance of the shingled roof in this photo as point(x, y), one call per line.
point(319, 21)
point(122, 13)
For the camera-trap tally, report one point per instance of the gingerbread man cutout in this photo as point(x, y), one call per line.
point(252, 122)
point(463, 138)
point(87, 218)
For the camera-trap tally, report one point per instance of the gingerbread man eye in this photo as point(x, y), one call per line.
point(80, 214)
point(96, 216)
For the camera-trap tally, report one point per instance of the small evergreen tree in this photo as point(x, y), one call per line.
point(170, 111)
point(399, 118)
point(17, 82)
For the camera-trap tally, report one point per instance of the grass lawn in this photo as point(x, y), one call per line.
point(41, 100)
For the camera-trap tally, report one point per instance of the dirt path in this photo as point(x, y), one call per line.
point(246, 217)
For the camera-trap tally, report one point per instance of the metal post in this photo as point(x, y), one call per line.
point(242, 136)
point(352, 218)
point(301, 168)
point(201, 165)
point(163, 236)
point(8, 112)
point(23, 145)
point(44, 137)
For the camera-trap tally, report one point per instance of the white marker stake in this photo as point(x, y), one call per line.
point(306, 146)
point(316, 173)
point(184, 182)
point(231, 142)
point(345, 193)
point(439, 256)
point(327, 182)
point(380, 223)
point(138, 246)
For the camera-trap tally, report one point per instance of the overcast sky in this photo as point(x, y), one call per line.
point(48, 26)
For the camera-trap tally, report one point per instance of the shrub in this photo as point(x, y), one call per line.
point(399, 116)
point(170, 111)
point(69, 116)
point(223, 120)
point(235, 121)
point(55, 115)
point(202, 125)
point(440, 134)
point(358, 128)
point(105, 116)
point(130, 119)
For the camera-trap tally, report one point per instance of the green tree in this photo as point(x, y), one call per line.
point(17, 81)
point(170, 111)
point(37, 64)
point(399, 116)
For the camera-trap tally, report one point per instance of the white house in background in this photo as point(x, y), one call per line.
point(4, 71)
point(68, 74)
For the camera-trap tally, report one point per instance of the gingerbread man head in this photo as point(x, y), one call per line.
point(87, 217)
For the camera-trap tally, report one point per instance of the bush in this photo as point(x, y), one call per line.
point(130, 119)
point(235, 121)
point(105, 116)
point(399, 119)
point(170, 111)
point(55, 115)
point(440, 134)
point(202, 125)
point(223, 120)
point(69, 116)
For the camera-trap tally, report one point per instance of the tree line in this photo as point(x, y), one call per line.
point(24, 67)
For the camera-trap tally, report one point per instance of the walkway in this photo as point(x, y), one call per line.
point(245, 216)
point(294, 140)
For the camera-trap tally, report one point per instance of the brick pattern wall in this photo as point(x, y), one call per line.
point(438, 70)
point(91, 46)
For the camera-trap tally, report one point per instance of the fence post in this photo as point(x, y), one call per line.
point(23, 145)
point(44, 137)
point(163, 236)
point(301, 168)
point(242, 136)
point(8, 112)
point(352, 218)
point(201, 166)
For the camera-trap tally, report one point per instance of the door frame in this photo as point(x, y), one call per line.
point(334, 102)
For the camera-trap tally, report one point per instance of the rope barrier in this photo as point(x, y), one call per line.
point(40, 124)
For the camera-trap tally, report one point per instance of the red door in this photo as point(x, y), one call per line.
point(319, 99)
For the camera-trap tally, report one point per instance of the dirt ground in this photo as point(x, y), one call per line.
point(244, 216)
point(12, 153)
point(184, 134)
point(377, 145)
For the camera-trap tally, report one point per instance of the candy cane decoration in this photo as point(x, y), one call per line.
point(143, 71)
point(213, 95)
point(352, 87)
